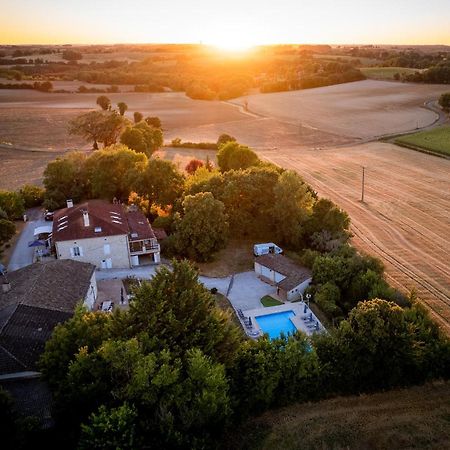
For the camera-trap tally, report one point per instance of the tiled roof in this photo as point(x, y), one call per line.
point(294, 274)
point(58, 285)
point(160, 233)
point(139, 226)
point(105, 219)
point(32, 397)
point(24, 336)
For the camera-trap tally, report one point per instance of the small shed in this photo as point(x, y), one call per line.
point(290, 279)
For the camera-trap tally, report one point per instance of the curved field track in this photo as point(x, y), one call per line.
point(405, 219)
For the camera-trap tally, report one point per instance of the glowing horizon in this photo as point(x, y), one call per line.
point(232, 25)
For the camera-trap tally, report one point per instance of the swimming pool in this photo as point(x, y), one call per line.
point(277, 323)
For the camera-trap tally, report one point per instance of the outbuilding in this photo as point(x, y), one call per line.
point(290, 279)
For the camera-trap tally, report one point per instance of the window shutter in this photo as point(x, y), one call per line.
point(72, 254)
point(81, 251)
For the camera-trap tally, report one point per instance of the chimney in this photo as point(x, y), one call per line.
point(85, 218)
point(69, 203)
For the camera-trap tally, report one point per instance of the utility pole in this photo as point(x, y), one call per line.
point(362, 184)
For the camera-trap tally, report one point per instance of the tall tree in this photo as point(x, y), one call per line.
point(160, 182)
point(12, 204)
point(292, 204)
point(154, 121)
point(137, 116)
point(232, 155)
point(65, 178)
point(111, 171)
point(98, 126)
point(142, 138)
point(104, 102)
point(122, 108)
point(203, 229)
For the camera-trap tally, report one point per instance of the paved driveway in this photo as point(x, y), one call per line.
point(247, 291)
point(22, 255)
point(148, 272)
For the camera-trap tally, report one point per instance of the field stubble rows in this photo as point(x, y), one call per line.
point(405, 218)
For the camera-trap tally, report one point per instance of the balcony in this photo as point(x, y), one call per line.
point(144, 247)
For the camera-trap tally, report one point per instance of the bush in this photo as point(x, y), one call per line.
point(32, 195)
point(7, 230)
point(12, 204)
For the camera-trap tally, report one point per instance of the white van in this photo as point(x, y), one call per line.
point(265, 249)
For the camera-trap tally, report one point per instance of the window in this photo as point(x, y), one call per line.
point(76, 251)
point(107, 249)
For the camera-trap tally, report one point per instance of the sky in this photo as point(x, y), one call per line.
point(227, 23)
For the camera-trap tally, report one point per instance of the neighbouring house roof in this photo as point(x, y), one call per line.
point(41, 296)
point(58, 285)
point(105, 219)
point(24, 336)
point(32, 397)
point(294, 274)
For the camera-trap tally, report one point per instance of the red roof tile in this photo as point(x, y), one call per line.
point(105, 219)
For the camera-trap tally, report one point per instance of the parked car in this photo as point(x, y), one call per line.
point(48, 215)
point(265, 249)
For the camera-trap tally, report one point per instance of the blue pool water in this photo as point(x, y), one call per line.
point(277, 323)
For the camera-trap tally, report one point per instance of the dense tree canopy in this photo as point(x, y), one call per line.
point(291, 208)
point(444, 101)
point(203, 228)
point(160, 182)
point(98, 126)
point(155, 374)
point(32, 195)
point(104, 102)
point(232, 155)
point(112, 171)
point(122, 108)
point(65, 178)
point(12, 204)
point(142, 138)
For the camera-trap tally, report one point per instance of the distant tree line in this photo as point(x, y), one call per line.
point(43, 86)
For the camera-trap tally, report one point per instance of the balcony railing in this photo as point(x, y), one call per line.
point(144, 246)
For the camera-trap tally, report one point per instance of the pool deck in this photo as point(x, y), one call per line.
point(301, 320)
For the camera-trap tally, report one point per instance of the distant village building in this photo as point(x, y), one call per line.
point(290, 279)
point(108, 235)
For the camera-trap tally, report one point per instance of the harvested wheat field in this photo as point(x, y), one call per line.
point(360, 110)
point(405, 219)
point(417, 417)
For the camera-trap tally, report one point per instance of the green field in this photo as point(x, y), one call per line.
point(436, 140)
point(386, 73)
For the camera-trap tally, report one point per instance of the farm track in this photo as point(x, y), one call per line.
point(405, 221)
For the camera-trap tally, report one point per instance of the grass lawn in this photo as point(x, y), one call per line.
point(436, 140)
point(386, 73)
point(236, 257)
point(418, 417)
point(267, 300)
